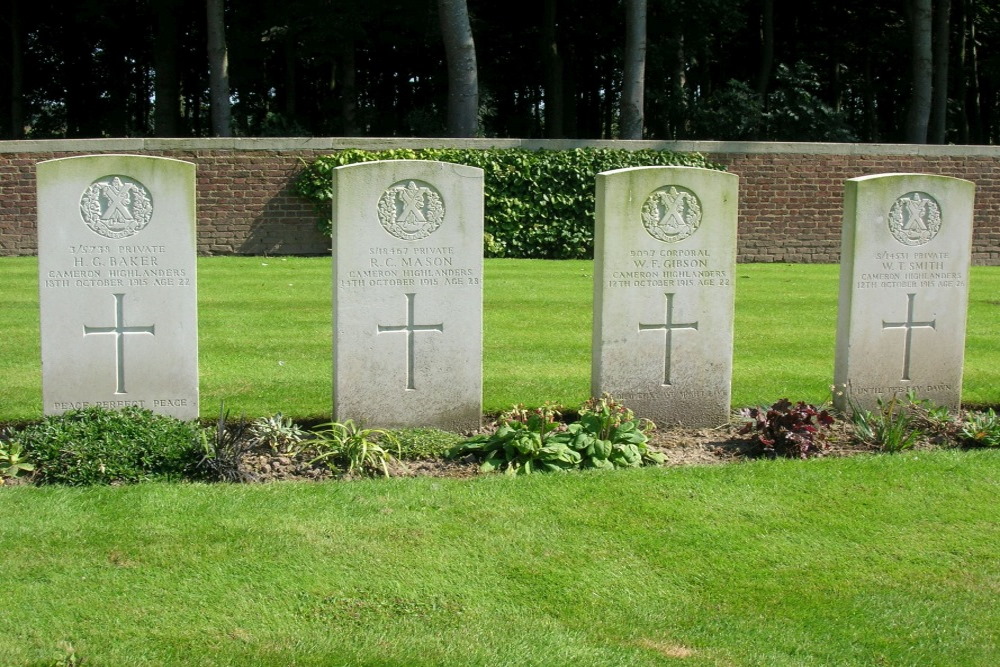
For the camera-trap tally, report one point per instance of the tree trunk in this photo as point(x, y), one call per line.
point(961, 83)
point(766, 49)
point(463, 75)
point(976, 131)
point(918, 115)
point(349, 89)
point(679, 108)
point(166, 112)
point(553, 72)
point(16, 74)
point(634, 80)
point(939, 93)
point(218, 69)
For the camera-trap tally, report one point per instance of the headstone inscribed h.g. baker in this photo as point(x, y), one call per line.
point(904, 270)
point(408, 294)
point(117, 288)
point(665, 255)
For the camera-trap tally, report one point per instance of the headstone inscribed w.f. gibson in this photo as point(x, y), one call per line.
point(117, 288)
point(904, 270)
point(408, 294)
point(665, 255)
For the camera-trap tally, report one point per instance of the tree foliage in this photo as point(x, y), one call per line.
point(714, 69)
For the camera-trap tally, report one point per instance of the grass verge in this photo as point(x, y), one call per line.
point(859, 561)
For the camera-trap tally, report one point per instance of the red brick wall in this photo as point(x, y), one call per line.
point(790, 194)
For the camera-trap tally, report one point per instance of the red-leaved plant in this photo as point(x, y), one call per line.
point(788, 429)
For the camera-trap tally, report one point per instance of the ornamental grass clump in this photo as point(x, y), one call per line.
point(981, 429)
point(789, 429)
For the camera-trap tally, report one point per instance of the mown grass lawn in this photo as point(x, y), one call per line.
point(265, 334)
point(872, 560)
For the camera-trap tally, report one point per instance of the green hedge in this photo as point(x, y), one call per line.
point(539, 204)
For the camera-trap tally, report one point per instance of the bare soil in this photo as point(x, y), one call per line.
point(680, 446)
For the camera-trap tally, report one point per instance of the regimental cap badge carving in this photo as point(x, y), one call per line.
point(671, 213)
point(116, 207)
point(915, 218)
point(411, 210)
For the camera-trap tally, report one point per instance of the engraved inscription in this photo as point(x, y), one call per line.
point(909, 325)
point(116, 207)
point(915, 218)
point(671, 213)
point(669, 327)
point(410, 328)
point(120, 331)
point(118, 266)
point(410, 266)
point(669, 267)
point(411, 210)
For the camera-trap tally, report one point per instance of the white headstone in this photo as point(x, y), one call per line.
point(665, 256)
point(117, 288)
point(408, 294)
point(904, 270)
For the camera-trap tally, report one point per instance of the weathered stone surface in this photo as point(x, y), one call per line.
point(117, 283)
point(904, 274)
point(665, 253)
point(407, 295)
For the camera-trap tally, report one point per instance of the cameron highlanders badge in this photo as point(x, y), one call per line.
point(116, 207)
point(915, 218)
point(411, 210)
point(671, 214)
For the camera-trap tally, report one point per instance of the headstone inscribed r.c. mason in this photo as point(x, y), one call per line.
point(117, 288)
point(904, 270)
point(665, 255)
point(408, 294)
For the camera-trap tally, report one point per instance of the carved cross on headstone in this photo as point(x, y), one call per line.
point(669, 327)
point(410, 328)
point(120, 331)
point(909, 325)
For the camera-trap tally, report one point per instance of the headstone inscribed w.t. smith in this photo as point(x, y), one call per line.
point(117, 288)
point(665, 255)
point(408, 294)
point(904, 270)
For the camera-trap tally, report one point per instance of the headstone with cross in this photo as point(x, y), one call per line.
point(904, 272)
point(407, 295)
point(117, 284)
point(665, 255)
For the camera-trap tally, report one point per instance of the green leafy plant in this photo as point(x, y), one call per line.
point(522, 443)
point(539, 204)
point(224, 446)
point(361, 449)
point(608, 435)
point(13, 461)
point(981, 429)
point(278, 432)
point(100, 446)
point(788, 429)
point(525, 441)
